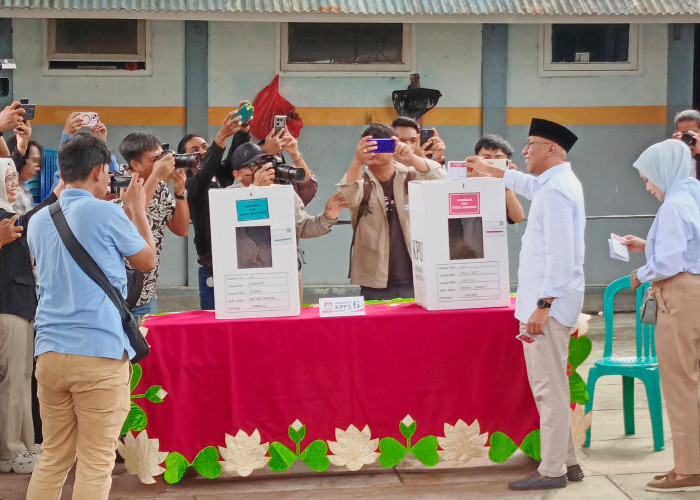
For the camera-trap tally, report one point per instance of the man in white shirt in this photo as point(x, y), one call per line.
point(550, 289)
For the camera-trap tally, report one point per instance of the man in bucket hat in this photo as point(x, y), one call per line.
point(550, 289)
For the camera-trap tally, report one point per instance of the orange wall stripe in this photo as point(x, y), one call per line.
point(594, 115)
point(134, 116)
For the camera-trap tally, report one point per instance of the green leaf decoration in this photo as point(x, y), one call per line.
point(425, 450)
point(531, 445)
point(207, 463)
point(152, 394)
point(391, 452)
point(136, 419)
point(281, 457)
point(175, 467)
point(407, 431)
point(579, 350)
point(501, 447)
point(297, 436)
point(577, 389)
point(316, 456)
point(136, 373)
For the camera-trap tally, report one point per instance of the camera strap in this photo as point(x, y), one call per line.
point(367, 185)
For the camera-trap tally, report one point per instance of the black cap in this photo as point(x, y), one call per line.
point(554, 132)
point(245, 154)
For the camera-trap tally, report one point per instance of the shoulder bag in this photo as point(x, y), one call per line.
point(90, 267)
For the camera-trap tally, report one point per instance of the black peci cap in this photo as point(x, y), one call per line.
point(554, 132)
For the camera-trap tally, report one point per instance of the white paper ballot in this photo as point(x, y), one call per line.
point(617, 249)
point(456, 170)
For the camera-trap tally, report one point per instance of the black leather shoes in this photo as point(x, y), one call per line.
point(574, 473)
point(537, 481)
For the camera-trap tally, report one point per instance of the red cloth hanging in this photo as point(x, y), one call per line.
point(269, 103)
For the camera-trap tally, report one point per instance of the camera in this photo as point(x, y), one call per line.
point(28, 109)
point(688, 139)
point(186, 160)
point(287, 174)
point(116, 182)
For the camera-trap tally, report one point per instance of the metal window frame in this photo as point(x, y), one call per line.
point(369, 69)
point(143, 54)
point(631, 67)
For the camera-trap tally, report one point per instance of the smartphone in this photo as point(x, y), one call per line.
point(116, 182)
point(28, 109)
point(89, 118)
point(384, 145)
point(245, 112)
point(280, 122)
point(425, 135)
point(527, 338)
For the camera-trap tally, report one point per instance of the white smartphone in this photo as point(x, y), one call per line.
point(501, 163)
point(280, 122)
point(90, 118)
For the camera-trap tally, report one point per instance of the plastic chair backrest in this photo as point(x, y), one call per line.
point(644, 333)
point(48, 169)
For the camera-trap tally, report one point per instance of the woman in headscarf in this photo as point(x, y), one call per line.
point(672, 251)
point(17, 308)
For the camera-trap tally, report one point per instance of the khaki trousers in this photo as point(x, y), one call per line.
point(84, 402)
point(16, 354)
point(546, 360)
point(677, 338)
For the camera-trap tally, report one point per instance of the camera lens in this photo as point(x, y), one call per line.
point(688, 139)
point(191, 160)
point(286, 173)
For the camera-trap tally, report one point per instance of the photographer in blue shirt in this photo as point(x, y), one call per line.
point(82, 351)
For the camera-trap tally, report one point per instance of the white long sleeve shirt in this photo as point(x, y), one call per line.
point(552, 250)
point(673, 242)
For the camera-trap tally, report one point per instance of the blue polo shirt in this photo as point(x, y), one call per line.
point(74, 315)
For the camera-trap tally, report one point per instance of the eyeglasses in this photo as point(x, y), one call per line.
point(259, 162)
point(12, 178)
point(529, 143)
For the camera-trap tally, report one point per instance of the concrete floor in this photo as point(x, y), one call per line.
point(617, 466)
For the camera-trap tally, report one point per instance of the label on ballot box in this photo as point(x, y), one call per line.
point(254, 252)
point(459, 245)
point(341, 306)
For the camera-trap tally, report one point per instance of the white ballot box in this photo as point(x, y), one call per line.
point(459, 244)
point(253, 242)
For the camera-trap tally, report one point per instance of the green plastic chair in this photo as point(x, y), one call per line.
point(642, 366)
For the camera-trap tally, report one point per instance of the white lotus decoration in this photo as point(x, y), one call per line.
point(353, 448)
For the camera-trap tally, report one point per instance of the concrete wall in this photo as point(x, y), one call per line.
point(604, 154)
point(243, 58)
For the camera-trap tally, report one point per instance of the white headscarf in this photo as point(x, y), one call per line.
point(7, 166)
point(668, 165)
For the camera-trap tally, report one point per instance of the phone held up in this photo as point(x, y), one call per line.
point(245, 112)
point(280, 122)
point(425, 135)
point(28, 109)
point(384, 145)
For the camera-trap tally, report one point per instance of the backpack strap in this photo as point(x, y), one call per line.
point(363, 209)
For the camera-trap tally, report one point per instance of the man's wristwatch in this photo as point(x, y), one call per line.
point(543, 304)
point(182, 196)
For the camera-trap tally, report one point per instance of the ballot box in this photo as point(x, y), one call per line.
point(459, 245)
point(254, 252)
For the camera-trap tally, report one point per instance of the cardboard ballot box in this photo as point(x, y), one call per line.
point(459, 244)
point(253, 239)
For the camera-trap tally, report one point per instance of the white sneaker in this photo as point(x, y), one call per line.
point(21, 464)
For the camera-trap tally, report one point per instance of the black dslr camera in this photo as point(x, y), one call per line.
point(286, 174)
point(189, 160)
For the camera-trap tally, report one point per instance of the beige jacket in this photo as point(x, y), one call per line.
point(370, 258)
